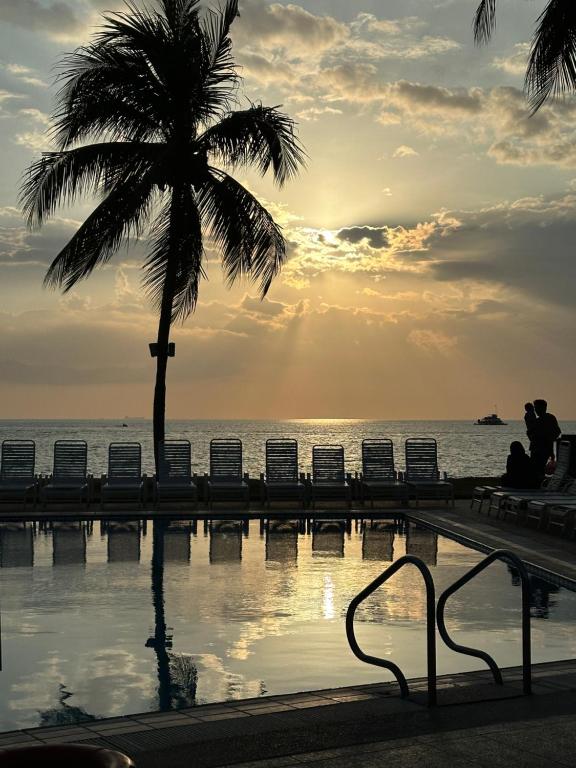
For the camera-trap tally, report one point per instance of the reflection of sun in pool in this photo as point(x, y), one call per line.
point(329, 611)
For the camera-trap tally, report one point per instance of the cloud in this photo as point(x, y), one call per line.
point(286, 27)
point(404, 151)
point(524, 246)
point(56, 17)
point(376, 237)
point(516, 62)
point(433, 342)
point(26, 75)
point(315, 113)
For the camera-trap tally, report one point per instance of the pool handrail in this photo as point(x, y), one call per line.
point(505, 556)
point(430, 626)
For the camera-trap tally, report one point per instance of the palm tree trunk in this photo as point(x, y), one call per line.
point(163, 338)
point(159, 413)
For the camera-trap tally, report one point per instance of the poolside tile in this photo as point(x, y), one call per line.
point(313, 703)
point(18, 737)
point(114, 727)
point(224, 716)
point(65, 739)
point(266, 710)
point(49, 733)
point(173, 723)
point(158, 719)
point(134, 728)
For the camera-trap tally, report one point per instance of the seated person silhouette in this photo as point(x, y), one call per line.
point(520, 470)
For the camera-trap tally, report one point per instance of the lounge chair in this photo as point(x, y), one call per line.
point(17, 479)
point(69, 481)
point(174, 481)
point(124, 479)
point(422, 476)
point(226, 481)
point(329, 481)
point(282, 481)
point(498, 496)
point(379, 479)
point(535, 505)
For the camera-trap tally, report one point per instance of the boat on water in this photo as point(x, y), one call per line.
point(493, 420)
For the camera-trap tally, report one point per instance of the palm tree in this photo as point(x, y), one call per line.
point(551, 69)
point(155, 91)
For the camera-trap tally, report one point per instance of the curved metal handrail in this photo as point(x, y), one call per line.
point(506, 556)
point(430, 625)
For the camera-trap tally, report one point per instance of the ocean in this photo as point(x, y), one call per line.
point(464, 449)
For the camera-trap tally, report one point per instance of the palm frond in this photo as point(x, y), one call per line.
point(220, 74)
point(176, 255)
point(250, 241)
point(260, 137)
point(59, 177)
point(118, 217)
point(107, 91)
point(484, 21)
point(552, 62)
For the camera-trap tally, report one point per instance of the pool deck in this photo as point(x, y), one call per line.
point(476, 723)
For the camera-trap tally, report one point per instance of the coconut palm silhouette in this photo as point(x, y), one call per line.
point(551, 69)
point(155, 92)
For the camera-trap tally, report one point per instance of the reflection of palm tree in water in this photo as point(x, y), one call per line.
point(177, 675)
point(540, 591)
point(64, 714)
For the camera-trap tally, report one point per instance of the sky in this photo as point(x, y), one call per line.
point(430, 240)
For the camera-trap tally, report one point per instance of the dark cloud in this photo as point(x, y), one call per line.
point(56, 17)
point(377, 237)
point(525, 245)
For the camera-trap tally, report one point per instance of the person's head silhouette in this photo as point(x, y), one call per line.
point(516, 448)
point(540, 406)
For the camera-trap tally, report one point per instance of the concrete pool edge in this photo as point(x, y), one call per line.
point(267, 727)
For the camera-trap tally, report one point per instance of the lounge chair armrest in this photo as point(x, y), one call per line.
point(445, 475)
point(348, 478)
point(303, 477)
point(246, 477)
point(261, 477)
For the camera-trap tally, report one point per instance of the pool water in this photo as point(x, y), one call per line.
point(106, 619)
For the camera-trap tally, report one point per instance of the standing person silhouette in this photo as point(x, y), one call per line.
point(543, 430)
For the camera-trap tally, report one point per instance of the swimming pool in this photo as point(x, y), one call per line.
point(105, 619)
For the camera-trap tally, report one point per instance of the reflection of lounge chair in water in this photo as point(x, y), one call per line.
point(17, 479)
point(282, 546)
point(177, 543)
point(225, 546)
point(68, 544)
point(327, 539)
point(123, 541)
point(16, 546)
point(378, 544)
point(422, 543)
